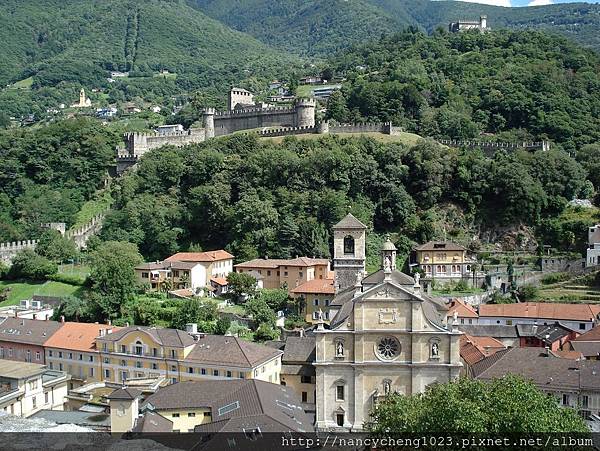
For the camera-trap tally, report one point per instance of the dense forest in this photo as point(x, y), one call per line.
point(56, 47)
point(520, 86)
point(315, 27)
point(260, 198)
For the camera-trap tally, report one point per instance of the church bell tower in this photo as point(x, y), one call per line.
point(349, 236)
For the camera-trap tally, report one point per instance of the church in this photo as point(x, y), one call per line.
point(386, 335)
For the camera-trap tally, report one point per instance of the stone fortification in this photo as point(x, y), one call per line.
point(538, 145)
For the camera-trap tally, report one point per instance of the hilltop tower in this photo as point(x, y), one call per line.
point(209, 122)
point(305, 112)
point(349, 243)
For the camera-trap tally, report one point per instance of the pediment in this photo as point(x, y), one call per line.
point(388, 290)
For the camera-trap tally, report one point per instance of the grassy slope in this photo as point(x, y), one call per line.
point(25, 290)
point(170, 34)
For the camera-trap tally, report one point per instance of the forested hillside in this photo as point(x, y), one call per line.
point(318, 27)
point(259, 198)
point(516, 85)
point(65, 44)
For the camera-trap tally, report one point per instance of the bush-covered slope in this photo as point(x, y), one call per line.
point(319, 27)
point(519, 85)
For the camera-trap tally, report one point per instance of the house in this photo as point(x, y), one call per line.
point(23, 339)
point(316, 296)
point(72, 348)
point(574, 383)
point(310, 80)
point(553, 336)
point(325, 92)
point(593, 251)
point(106, 113)
point(139, 352)
point(28, 309)
point(297, 370)
point(507, 335)
point(460, 311)
point(289, 273)
point(442, 262)
point(588, 344)
point(249, 407)
point(577, 317)
point(166, 129)
point(193, 270)
point(26, 388)
point(475, 349)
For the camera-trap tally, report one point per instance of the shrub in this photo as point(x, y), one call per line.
point(29, 265)
point(68, 279)
point(528, 292)
point(555, 278)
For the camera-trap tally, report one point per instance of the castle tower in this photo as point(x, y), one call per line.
point(388, 256)
point(349, 242)
point(305, 112)
point(82, 98)
point(209, 122)
point(483, 22)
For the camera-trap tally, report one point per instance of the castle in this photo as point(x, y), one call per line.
point(463, 25)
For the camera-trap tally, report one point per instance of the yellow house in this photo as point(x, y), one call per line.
point(442, 261)
point(316, 296)
point(176, 355)
point(291, 273)
point(72, 349)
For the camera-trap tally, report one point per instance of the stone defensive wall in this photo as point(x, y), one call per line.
point(228, 122)
point(538, 145)
point(138, 143)
point(380, 127)
point(82, 234)
point(287, 131)
point(9, 250)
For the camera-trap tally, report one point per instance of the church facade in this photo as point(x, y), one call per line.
point(386, 335)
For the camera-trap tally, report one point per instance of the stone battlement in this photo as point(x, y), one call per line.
point(254, 111)
point(539, 145)
point(286, 131)
point(9, 250)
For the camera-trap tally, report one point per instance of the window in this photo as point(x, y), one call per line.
point(203, 371)
point(175, 415)
point(262, 369)
point(123, 363)
point(581, 326)
point(91, 372)
point(268, 273)
point(10, 352)
point(229, 408)
point(191, 414)
point(285, 273)
point(154, 366)
point(46, 398)
point(229, 373)
point(173, 380)
point(348, 245)
point(123, 348)
point(37, 356)
point(339, 393)
point(388, 348)
point(207, 414)
point(34, 402)
point(315, 315)
point(173, 353)
point(80, 356)
point(327, 301)
point(300, 274)
point(28, 355)
point(339, 419)
point(139, 365)
point(123, 375)
point(60, 366)
point(316, 302)
point(305, 379)
point(60, 354)
point(106, 360)
point(584, 401)
point(139, 348)
point(91, 358)
point(107, 374)
point(215, 372)
point(70, 356)
point(154, 352)
point(190, 370)
point(565, 400)
point(304, 396)
point(144, 275)
point(173, 368)
point(278, 273)
point(49, 352)
point(104, 347)
point(242, 375)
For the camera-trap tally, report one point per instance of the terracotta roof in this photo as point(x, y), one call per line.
point(28, 331)
point(316, 286)
point(349, 222)
point(125, 393)
point(463, 309)
point(591, 335)
point(475, 349)
point(77, 336)
point(543, 310)
point(440, 246)
point(272, 263)
point(219, 281)
point(167, 337)
point(231, 351)
point(210, 256)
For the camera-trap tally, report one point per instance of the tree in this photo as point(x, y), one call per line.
point(29, 265)
point(73, 309)
point(266, 332)
point(112, 275)
point(503, 406)
point(276, 299)
point(260, 312)
point(222, 326)
point(194, 311)
point(54, 246)
point(240, 284)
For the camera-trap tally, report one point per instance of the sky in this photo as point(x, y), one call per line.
point(526, 2)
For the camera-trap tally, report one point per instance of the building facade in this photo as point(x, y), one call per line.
point(315, 296)
point(23, 339)
point(387, 336)
point(442, 262)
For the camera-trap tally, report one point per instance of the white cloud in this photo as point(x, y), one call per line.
point(540, 2)
point(505, 3)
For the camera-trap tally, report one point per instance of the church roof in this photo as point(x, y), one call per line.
point(350, 222)
point(398, 278)
point(388, 246)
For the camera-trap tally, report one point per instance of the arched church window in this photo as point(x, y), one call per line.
point(348, 245)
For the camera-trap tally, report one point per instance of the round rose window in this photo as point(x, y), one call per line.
point(388, 348)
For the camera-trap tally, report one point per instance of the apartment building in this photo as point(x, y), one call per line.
point(316, 296)
point(442, 262)
point(26, 388)
point(290, 273)
point(23, 339)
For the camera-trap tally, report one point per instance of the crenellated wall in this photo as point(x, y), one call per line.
point(538, 145)
point(9, 250)
point(136, 144)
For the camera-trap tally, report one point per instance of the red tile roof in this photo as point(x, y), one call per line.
point(77, 336)
point(315, 286)
point(544, 310)
point(591, 335)
point(463, 309)
point(475, 349)
point(219, 280)
point(210, 256)
point(276, 262)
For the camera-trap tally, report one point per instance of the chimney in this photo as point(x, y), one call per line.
point(102, 332)
point(109, 322)
point(62, 319)
point(191, 328)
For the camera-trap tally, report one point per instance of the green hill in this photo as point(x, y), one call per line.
point(58, 42)
point(319, 27)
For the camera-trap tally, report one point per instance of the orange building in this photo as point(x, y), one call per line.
point(317, 295)
point(289, 273)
